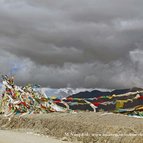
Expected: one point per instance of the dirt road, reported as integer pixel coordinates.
(19, 137)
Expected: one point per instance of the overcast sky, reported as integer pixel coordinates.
(75, 43)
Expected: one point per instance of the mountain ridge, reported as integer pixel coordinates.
(98, 93)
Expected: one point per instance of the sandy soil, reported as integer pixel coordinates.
(85, 127)
(19, 137)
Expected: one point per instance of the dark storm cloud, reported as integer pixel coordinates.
(94, 43)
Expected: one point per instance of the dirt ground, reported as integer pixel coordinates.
(21, 137)
(82, 127)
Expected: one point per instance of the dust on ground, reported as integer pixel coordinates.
(21, 137)
(83, 127)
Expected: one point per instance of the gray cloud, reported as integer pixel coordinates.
(94, 43)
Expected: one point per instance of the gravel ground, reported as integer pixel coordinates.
(83, 127)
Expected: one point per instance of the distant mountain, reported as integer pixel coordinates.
(63, 92)
(97, 93)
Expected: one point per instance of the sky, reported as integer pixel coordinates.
(72, 43)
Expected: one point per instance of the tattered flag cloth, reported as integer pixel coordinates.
(141, 97)
(96, 103)
(17, 100)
